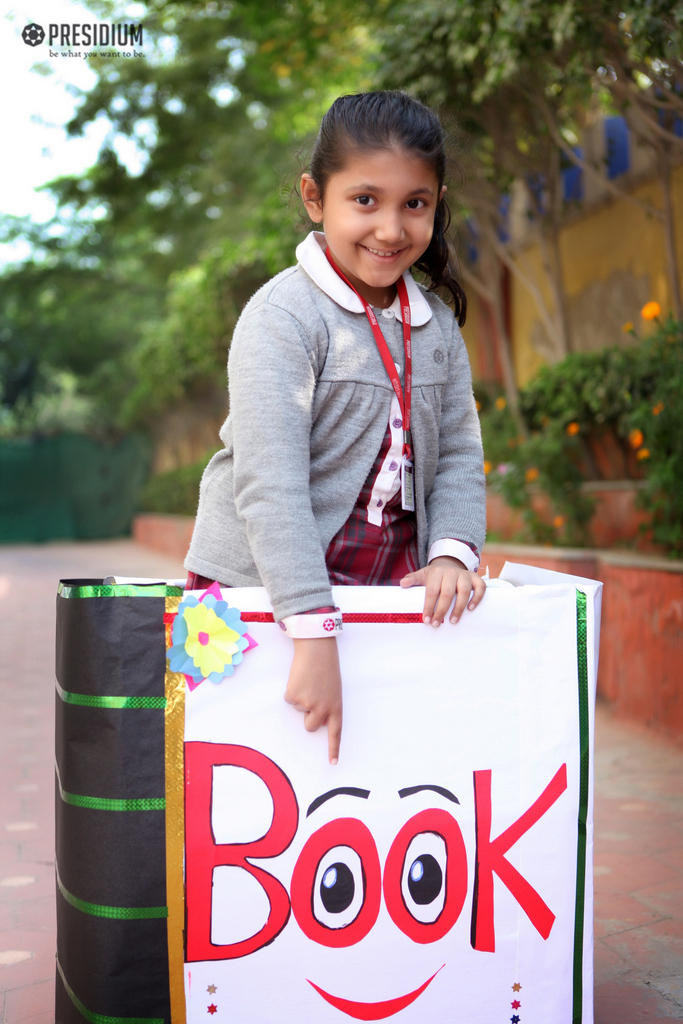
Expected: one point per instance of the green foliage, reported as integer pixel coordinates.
(135, 288)
(57, 407)
(175, 492)
(67, 315)
(217, 113)
(659, 415)
(633, 395)
(185, 354)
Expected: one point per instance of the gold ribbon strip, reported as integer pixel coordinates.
(175, 830)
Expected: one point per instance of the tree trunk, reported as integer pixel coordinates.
(556, 288)
(492, 296)
(664, 168)
(505, 354)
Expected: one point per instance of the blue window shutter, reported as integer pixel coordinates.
(572, 179)
(617, 146)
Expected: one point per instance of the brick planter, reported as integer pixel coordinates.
(168, 534)
(617, 520)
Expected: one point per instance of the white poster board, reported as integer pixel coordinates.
(442, 870)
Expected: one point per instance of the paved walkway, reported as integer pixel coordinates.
(639, 812)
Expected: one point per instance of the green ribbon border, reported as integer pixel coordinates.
(99, 1018)
(105, 803)
(87, 700)
(584, 768)
(111, 913)
(119, 590)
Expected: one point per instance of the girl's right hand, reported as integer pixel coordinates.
(314, 687)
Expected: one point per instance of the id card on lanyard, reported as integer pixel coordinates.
(407, 465)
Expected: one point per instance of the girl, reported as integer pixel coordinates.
(352, 449)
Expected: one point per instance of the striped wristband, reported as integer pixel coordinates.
(310, 627)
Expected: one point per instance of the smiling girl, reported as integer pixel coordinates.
(352, 449)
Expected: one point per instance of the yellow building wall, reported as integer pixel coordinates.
(618, 241)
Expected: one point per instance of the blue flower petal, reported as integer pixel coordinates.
(179, 662)
(180, 631)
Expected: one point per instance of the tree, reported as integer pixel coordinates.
(150, 264)
(484, 65)
(522, 75)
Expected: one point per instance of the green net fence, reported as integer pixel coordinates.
(69, 487)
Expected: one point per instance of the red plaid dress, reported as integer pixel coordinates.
(362, 554)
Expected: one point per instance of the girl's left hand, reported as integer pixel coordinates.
(444, 579)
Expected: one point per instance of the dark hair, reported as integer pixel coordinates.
(384, 120)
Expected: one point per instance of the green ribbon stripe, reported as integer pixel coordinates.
(99, 1018)
(113, 913)
(103, 803)
(120, 590)
(87, 700)
(584, 747)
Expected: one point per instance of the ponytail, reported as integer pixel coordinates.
(435, 262)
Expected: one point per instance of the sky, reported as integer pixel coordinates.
(36, 107)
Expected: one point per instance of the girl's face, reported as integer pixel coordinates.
(378, 217)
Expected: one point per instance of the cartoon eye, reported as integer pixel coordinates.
(336, 885)
(338, 888)
(423, 884)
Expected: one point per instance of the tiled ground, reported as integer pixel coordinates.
(638, 876)
(639, 812)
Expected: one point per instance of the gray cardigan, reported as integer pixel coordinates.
(309, 406)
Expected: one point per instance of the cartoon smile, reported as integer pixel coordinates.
(373, 1011)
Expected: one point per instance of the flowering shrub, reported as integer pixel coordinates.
(634, 394)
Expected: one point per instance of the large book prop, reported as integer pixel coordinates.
(212, 865)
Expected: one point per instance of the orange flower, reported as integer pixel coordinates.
(644, 453)
(478, 405)
(572, 429)
(558, 522)
(635, 438)
(487, 467)
(531, 474)
(627, 327)
(500, 403)
(650, 311)
(656, 409)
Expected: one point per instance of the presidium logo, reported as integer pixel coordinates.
(33, 35)
(105, 34)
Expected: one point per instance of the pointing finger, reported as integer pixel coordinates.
(334, 728)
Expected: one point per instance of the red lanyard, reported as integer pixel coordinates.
(384, 352)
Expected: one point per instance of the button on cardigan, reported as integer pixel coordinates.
(309, 404)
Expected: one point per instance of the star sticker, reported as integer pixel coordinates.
(515, 1004)
(516, 987)
(514, 1019)
(211, 989)
(214, 1009)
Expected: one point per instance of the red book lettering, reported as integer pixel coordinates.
(204, 854)
(491, 858)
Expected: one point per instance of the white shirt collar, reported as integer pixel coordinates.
(311, 255)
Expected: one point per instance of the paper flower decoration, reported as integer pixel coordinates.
(209, 638)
